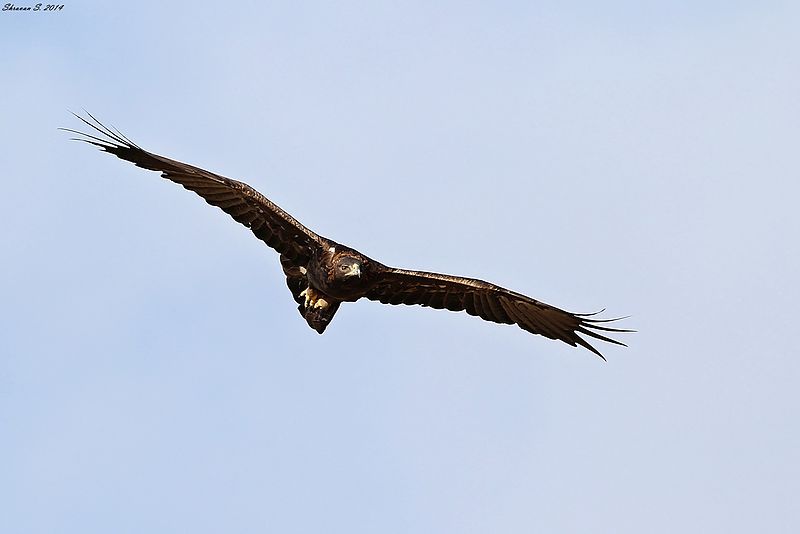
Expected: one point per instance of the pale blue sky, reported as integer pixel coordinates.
(156, 377)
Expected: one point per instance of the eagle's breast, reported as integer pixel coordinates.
(322, 272)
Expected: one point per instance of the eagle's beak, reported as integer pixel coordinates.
(356, 271)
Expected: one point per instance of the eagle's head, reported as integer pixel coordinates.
(347, 268)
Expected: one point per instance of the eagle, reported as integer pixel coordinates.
(322, 274)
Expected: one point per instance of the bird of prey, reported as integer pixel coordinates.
(321, 273)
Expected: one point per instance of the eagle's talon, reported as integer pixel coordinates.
(314, 299)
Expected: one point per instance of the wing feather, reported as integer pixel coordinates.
(489, 302)
(247, 206)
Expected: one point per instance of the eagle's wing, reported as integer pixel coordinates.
(265, 219)
(489, 302)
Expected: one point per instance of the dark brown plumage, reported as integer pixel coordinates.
(321, 274)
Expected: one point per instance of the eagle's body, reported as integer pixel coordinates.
(334, 274)
(321, 274)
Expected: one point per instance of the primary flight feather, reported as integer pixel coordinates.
(321, 273)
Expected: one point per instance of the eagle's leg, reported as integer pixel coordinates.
(314, 299)
(317, 308)
(314, 306)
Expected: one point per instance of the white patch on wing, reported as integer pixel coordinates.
(332, 250)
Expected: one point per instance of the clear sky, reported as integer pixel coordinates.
(639, 156)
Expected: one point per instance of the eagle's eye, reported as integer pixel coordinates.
(344, 268)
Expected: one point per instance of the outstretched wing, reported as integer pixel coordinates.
(489, 302)
(265, 219)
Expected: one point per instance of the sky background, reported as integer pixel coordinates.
(636, 156)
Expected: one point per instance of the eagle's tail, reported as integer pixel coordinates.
(318, 317)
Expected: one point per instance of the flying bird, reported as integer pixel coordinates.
(322, 274)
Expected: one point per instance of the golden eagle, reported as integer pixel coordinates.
(322, 273)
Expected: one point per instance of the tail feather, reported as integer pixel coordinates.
(317, 318)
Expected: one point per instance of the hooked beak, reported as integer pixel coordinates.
(356, 271)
